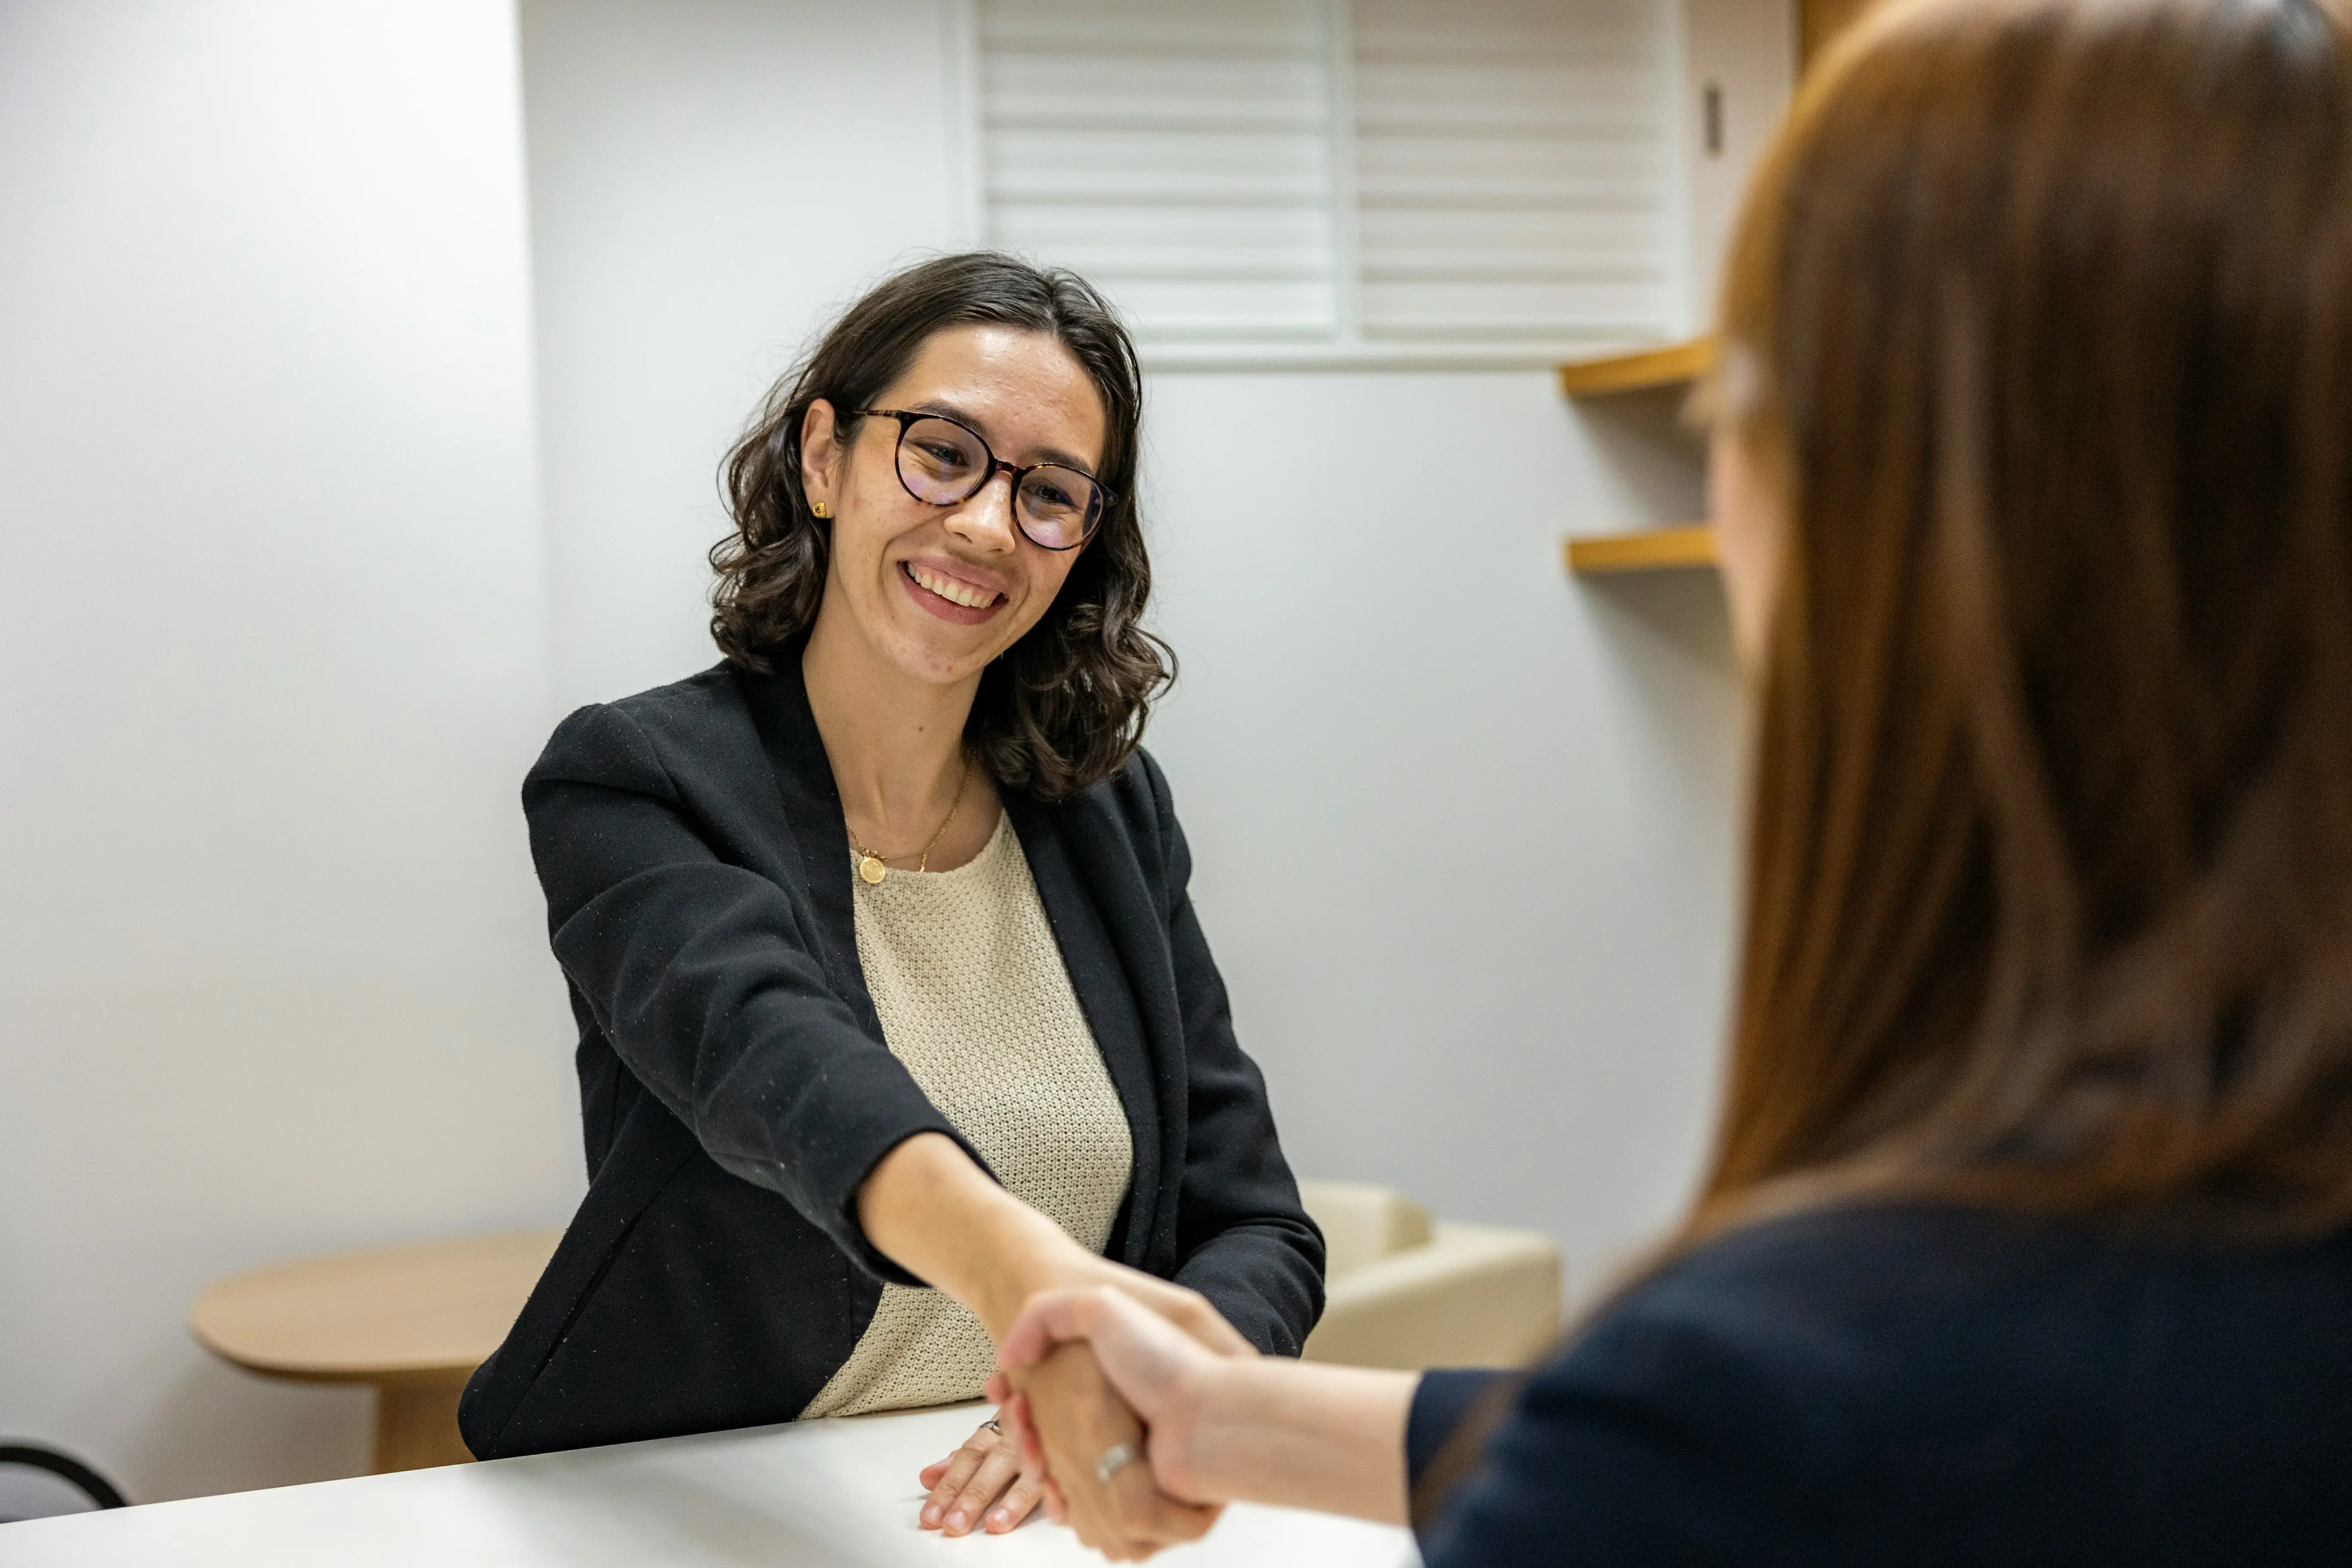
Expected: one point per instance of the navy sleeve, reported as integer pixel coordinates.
(1926, 1385)
(1651, 1441)
(698, 972)
(1440, 1401)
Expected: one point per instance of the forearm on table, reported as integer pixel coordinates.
(1301, 1434)
(931, 1209)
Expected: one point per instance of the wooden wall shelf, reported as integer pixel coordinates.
(1669, 366)
(1653, 549)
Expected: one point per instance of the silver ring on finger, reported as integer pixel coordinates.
(992, 1426)
(1115, 1459)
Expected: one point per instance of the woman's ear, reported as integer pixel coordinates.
(820, 456)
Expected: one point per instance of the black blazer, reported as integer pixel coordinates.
(735, 1088)
(1909, 1386)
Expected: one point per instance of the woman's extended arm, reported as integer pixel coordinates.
(1231, 1430)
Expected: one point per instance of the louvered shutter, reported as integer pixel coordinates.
(1513, 164)
(1405, 172)
(1180, 155)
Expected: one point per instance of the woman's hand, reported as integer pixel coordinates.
(1156, 1369)
(986, 1482)
(1220, 1429)
(1071, 1419)
(1070, 1411)
(1180, 1306)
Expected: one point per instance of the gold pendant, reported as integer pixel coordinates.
(872, 869)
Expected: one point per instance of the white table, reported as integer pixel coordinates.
(820, 1492)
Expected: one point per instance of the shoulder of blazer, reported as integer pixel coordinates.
(1134, 808)
(636, 741)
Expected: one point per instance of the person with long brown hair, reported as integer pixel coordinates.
(2028, 1236)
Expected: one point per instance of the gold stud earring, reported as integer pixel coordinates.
(818, 507)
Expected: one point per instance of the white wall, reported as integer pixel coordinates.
(1747, 51)
(1462, 824)
(708, 178)
(272, 662)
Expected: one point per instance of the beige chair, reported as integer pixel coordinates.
(1406, 1292)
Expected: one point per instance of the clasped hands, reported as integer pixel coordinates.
(930, 1209)
(1066, 1434)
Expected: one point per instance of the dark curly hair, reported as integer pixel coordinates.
(1065, 705)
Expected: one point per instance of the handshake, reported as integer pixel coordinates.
(1099, 1391)
(1128, 1406)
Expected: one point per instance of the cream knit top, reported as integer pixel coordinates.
(974, 999)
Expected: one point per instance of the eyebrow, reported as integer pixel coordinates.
(947, 410)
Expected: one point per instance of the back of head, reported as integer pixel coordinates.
(2039, 327)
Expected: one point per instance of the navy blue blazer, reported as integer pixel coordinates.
(1911, 1386)
(735, 1088)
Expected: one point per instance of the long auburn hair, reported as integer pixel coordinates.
(2038, 323)
(2038, 327)
(1064, 706)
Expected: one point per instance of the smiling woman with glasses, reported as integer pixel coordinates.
(894, 1009)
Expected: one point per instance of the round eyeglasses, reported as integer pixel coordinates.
(944, 463)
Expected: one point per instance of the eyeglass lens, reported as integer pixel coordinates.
(943, 463)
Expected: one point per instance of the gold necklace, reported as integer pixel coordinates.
(869, 864)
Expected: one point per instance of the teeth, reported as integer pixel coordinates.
(955, 593)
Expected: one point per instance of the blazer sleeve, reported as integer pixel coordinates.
(699, 974)
(1243, 1238)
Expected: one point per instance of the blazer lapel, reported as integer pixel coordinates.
(811, 822)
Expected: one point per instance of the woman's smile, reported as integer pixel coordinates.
(952, 593)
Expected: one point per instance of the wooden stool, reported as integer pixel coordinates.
(414, 1321)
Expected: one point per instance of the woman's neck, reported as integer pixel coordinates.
(894, 743)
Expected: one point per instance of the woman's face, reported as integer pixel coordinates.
(940, 591)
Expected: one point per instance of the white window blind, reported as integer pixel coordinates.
(1512, 168)
(1180, 155)
(1424, 174)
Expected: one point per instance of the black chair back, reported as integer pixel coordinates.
(17, 1458)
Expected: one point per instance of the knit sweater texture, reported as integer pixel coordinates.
(973, 998)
